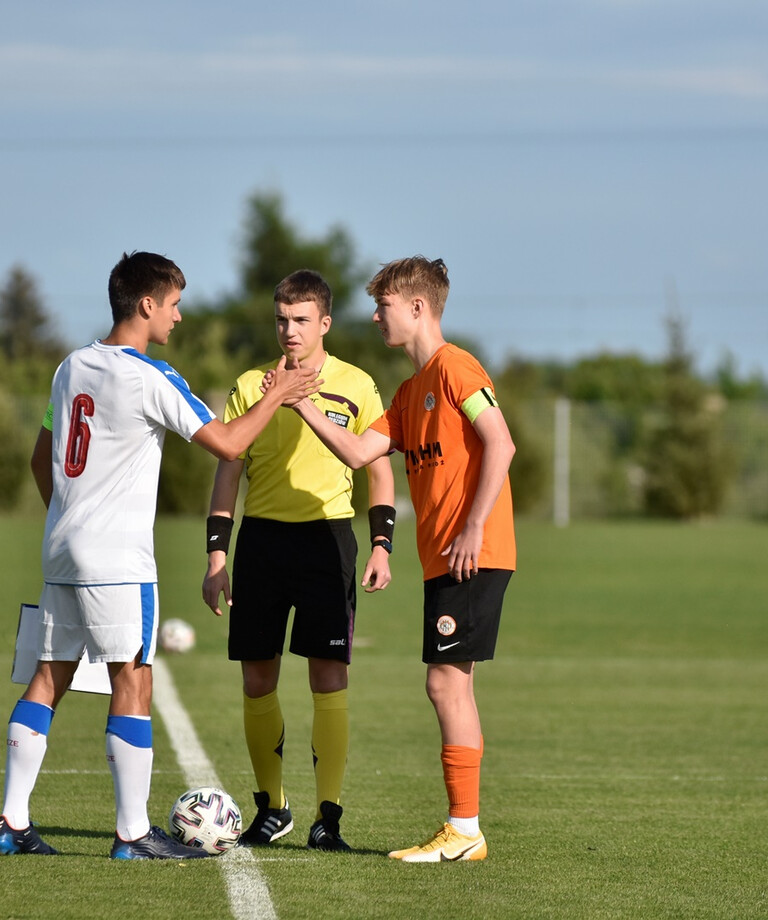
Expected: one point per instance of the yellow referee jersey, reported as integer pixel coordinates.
(292, 476)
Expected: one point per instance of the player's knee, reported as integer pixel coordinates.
(448, 684)
(259, 678)
(437, 688)
(327, 676)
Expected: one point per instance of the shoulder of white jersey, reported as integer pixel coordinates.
(162, 367)
(174, 378)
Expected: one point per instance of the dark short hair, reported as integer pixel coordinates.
(415, 276)
(304, 285)
(141, 274)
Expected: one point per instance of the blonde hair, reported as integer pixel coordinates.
(415, 276)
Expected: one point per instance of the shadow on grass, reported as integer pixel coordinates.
(296, 848)
(44, 829)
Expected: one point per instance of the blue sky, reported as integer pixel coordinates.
(579, 166)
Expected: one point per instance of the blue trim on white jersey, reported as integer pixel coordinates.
(174, 377)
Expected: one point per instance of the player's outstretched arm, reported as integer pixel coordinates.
(42, 465)
(498, 451)
(223, 498)
(355, 450)
(228, 441)
(381, 491)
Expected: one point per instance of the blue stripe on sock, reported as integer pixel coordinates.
(131, 729)
(36, 716)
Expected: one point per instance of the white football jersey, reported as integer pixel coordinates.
(111, 408)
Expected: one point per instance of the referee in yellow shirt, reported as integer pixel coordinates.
(298, 507)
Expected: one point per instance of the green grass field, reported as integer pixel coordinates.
(626, 767)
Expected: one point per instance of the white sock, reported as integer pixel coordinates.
(26, 750)
(470, 827)
(131, 769)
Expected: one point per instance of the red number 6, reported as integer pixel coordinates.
(79, 435)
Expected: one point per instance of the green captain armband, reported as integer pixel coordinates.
(473, 405)
(48, 417)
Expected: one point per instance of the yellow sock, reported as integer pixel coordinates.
(264, 735)
(330, 744)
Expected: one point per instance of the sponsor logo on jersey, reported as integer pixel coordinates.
(424, 457)
(338, 418)
(338, 642)
(429, 402)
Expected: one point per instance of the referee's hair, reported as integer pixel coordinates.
(302, 285)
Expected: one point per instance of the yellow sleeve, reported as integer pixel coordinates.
(371, 406)
(243, 394)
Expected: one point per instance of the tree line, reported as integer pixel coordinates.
(663, 432)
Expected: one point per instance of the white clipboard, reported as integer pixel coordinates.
(90, 677)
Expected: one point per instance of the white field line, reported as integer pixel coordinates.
(249, 897)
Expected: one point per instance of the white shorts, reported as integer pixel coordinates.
(114, 622)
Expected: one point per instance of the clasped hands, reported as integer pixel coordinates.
(291, 381)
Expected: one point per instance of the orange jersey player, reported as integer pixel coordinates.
(446, 421)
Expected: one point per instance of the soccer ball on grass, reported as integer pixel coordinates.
(207, 818)
(176, 635)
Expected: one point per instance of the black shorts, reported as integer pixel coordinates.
(461, 618)
(309, 566)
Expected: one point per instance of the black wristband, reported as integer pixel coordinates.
(218, 530)
(385, 544)
(381, 520)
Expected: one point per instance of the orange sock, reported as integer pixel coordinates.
(461, 771)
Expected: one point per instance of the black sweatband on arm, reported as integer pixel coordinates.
(218, 530)
(381, 520)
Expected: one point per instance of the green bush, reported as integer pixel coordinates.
(14, 455)
(688, 466)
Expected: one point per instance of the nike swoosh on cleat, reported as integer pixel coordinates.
(461, 855)
(444, 648)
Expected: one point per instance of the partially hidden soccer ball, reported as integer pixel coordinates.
(207, 818)
(176, 635)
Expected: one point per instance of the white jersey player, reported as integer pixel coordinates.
(112, 408)
(96, 464)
